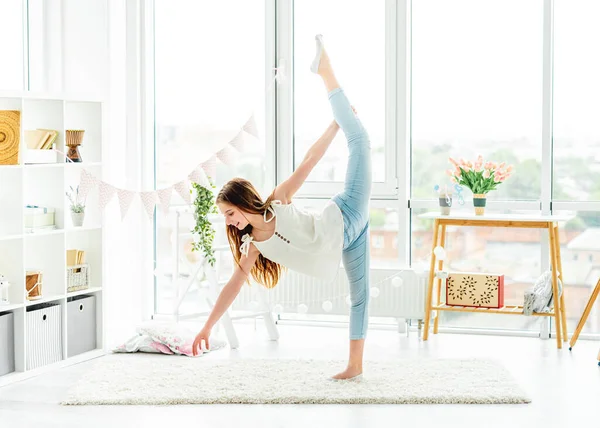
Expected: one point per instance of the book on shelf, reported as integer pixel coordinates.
(40, 139)
(75, 257)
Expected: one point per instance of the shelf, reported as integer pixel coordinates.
(12, 306)
(44, 185)
(45, 300)
(22, 375)
(86, 291)
(10, 237)
(507, 310)
(51, 165)
(44, 233)
(43, 165)
(470, 216)
(53, 96)
(83, 228)
(82, 164)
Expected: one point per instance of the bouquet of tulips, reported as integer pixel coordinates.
(480, 177)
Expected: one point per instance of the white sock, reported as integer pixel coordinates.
(314, 67)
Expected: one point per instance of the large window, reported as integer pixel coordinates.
(477, 89)
(209, 78)
(502, 78)
(354, 33)
(576, 101)
(11, 34)
(576, 151)
(580, 250)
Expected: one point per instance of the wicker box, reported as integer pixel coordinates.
(78, 277)
(479, 290)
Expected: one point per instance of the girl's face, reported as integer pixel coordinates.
(233, 215)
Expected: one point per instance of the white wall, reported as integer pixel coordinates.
(84, 48)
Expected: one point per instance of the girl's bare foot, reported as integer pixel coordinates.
(350, 373)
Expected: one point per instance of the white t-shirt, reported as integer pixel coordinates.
(306, 242)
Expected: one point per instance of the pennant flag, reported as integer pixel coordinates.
(226, 155)
(148, 201)
(106, 192)
(210, 167)
(164, 196)
(184, 191)
(87, 182)
(250, 127)
(125, 200)
(195, 175)
(238, 141)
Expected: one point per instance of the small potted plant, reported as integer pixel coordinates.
(479, 177)
(77, 207)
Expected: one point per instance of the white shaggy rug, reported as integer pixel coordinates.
(182, 380)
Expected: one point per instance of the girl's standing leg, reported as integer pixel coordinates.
(354, 204)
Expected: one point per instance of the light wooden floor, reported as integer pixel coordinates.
(565, 387)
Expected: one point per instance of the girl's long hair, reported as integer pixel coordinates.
(242, 194)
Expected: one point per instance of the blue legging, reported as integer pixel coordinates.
(354, 204)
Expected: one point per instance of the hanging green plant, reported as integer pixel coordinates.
(204, 204)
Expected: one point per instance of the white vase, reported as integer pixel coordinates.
(77, 219)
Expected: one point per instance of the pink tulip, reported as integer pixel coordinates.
(457, 172)
(501, 165)
(509, 169)
(453, 179)
(449, 172)
(486, 173)
(453, 162)
(498, 175)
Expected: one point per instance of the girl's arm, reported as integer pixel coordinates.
(233, 287)
(286, 190)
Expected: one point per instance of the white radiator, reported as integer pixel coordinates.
(406, 300)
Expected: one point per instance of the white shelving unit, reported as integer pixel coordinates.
(45, 185)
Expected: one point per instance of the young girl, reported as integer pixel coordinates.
(267, 236)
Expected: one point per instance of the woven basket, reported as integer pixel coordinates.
(78, 277)
(74, 137)
(10, 136)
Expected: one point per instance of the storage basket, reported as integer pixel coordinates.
(43, 332)
(7, 343)
(78, 277)
(81, 324)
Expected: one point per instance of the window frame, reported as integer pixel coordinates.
(395, 192)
